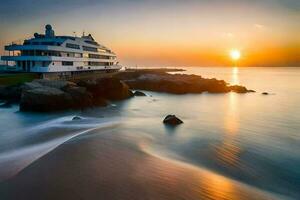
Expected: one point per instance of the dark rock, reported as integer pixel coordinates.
(45, 99)
(139, 93)
(76, 118)
(31, 85)
(46, 96)
(176, 83)
(6, 104)
(58, 84)
(265, 93)
(81, 98)
(239, 89)
(172, 120)
(107, 88)
(11, 93)
(99, 101)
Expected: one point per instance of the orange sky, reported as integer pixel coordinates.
(174, 33)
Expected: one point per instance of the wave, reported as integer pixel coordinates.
(12, 162)
(122, 166)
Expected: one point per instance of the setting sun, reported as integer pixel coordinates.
(235, 54)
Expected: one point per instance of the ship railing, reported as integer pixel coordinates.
(19, 41)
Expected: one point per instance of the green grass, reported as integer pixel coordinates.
(13, 79)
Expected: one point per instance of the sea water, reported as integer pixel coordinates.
(250, 138)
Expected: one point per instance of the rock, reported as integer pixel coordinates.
(239, 89)
(172, 120)
(11, 93)
(45, 99)
(176, 83)
(58, 84)
(265, 93)
(46, 95)
(139, 93)
(76, 118)
(6, 104)
(107, 88)
(81, 98)
(31, 85)
(99, 101)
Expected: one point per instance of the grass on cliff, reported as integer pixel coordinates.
(13, 79)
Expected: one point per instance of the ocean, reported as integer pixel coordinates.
(230, 146)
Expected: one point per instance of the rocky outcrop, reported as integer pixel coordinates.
(52, 95)
(265, 93)
(107, 88)
(177, 83)
(239, 89)
(172, 120)
(46, 95)
(44, 99)
(139, 93)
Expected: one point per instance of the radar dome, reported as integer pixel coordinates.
(48, 27)
(49, 32)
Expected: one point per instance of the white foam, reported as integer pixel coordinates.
(14, 161)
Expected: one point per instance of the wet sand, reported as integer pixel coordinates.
(111, 165)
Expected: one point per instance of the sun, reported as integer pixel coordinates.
(235, 54)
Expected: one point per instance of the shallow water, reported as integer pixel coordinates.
(249, 138)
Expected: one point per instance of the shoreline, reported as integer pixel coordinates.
(111, 166)
(42, 95)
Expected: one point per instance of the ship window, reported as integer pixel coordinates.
(102, 50)
(48, 43)
(85, 48)
(91, 42)
(98, 56)
(67, 63)
(73, 46)
(78, 55)
(97, 63)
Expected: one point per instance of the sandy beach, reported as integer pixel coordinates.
(109, 165)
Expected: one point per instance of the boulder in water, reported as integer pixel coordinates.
(239, 89)
(139, 93)
(172, 120)
(76, 118)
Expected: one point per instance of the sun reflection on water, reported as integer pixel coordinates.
(235, 76)
(228, 151)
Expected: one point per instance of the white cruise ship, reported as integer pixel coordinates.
(61, 55)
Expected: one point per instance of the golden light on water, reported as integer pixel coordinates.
(235, 76)
(235, 54)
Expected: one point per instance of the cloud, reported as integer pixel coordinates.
(259, 26)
